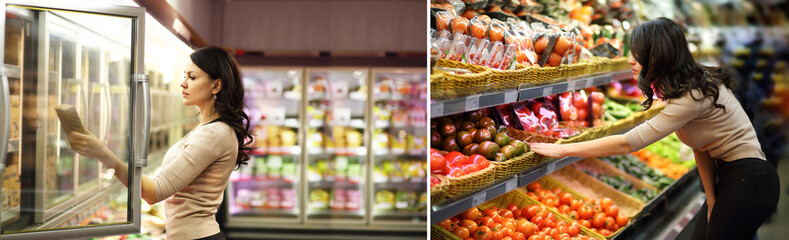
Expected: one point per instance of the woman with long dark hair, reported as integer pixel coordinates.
(196, 169)
(741, 187)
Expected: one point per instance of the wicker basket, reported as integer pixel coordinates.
(620, 126)
(439, 191)
(526, 136)
(516, 165)
(522, 200)
(449, 85)
(545, 75)
(437, 232)
(510, 79)
(575, 69)
(586, 135)
(588, 186)
(618, 64)
(471, 181)
(549, 182)
(599, 166)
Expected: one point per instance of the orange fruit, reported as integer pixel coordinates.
(540, 44)
(554, 60)
(561, 46)
(459, 25)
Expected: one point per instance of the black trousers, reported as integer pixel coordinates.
(747, 192)
(218, 236)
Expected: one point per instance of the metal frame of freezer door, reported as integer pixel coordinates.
(140, 115)
(371, 154)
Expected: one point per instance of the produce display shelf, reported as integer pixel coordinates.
(527, 176)
(12, 71)
(378, 213)
(524, 92)
(488, 192)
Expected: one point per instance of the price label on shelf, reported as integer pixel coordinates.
(478, 199)
(547, 91)
(511, 184)
(588, 83)
(550, 168)
(472, 102)
(436, 109)
(511, 96)
(571, 85)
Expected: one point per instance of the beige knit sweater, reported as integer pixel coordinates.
(726, 135)
(192, 181)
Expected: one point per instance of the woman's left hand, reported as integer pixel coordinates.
(548, 149)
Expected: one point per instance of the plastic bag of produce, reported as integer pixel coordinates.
(454, 6)
(459, 25)
(475, 4)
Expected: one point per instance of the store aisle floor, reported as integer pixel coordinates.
(776, 228)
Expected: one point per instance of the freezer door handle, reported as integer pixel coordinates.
(142, 160)
(6, 127)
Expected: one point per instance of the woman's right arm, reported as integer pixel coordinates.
(89, 145)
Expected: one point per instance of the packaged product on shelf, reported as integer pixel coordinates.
(319, 199)
(340, 168)
(274, 167)
(459, 25)
(257, 200)
(338, 199)
(442, 19)
(404, 200)
(272, 198)
(288, 198)
(354, 199)
(289, 172)
(527, 119)
(354, 171)
(260, 171)
(475, 4)
(453, 6)
(421, 203)
(384, 200)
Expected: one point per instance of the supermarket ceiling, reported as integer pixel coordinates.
(308, 25)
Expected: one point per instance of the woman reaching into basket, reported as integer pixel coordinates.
(741, 187)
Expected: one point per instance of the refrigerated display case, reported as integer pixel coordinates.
(85, 58)
(336, 145)
(268, 187)
(399, 146)
(316, 167)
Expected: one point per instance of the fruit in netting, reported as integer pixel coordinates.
(459, 25)
(554, 60)
(561, 45)
(540, 44)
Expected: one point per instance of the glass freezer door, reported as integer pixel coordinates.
(59, 57)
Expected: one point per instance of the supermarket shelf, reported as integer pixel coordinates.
(524, 92)
(399, 214)
(334, 213)
(13, 71)
(354, 123)
(13, 145)
(273, 213)
(447, 107)
(290, 150)
(261, 183)
(287, 122)
(334, 184)
(406, 185)
(488, 192)
(544, 168)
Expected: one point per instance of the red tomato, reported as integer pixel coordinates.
(514, 209)
(612, 211)
(573, 215)
(565, 198)
(534, 187)
(526, 227)
(437, 164)
(471, 214)
(605, 232)
(461, 232)
(470, 225)
(479, 161)
(574, 204)
(470, 168)
(610, 223)
(518, 236)
(486, 221)
(456, 172)
(621, 220)
(446, 224)
(598, 97)
(597, 111)
(585, 223)
(564, 209)
(582, 114)
(599, 220)
(585, 212)
(505, 213)
(580, 100)
(605, 203)
(455, 158)
(574, 229)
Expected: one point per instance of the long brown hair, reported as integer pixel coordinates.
(219, 64)
(668, 67)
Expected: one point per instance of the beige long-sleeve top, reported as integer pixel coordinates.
(726, 135)
(193, 178)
